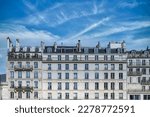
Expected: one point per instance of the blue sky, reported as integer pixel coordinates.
(66, 21)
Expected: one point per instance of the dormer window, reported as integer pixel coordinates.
(28, 49)
(36, 49)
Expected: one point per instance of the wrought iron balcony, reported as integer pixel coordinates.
(137, 65)
(23, 89)
(147, 82)
(134, 73)
(140, 91)
(23, 68)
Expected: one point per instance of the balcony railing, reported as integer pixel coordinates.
(16, 58)
(134, 65)
(138, 91)
(23, 68)
(147, 82)
(23, 89)
(134, 73)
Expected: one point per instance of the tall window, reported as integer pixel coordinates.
(67, 66)
(86, 86)
(28, 83)
(59, 57)
(49, 75)
(112, 86)
(120, 85)
(67, 75)
(75, 57)
(35, 64)
(59, 66)
(105, 66)
(96, 75)
(49, 96)
(35, 74)
(27, 94)
(86, 75)
(11, 64)
(11, 95)
(59, 96)
(96, 86)
(96, 66)
(86, 66)
(96, 57)
(49, 57)
(112, 58)
(12, 84)
(75, 67)
(86, 96)
(105, 86)
(35, 95)
(75, 86)
(105, 75)
(49, 86)
(75, 75)
(11, 74)
(67, 85)
(112, 66)
(112, 95)
(49, 66)
(75, 96)
(66, 95)
(86, 57)
(67, 57)
(120, 66)
(59, 86)
(20, 64)
(120, 75)
(19, 74)
(28, 64)
(19, 94)
(105, 57)
(120, 95)
(35, 84)
(27, 74)
(112, 75)
(143, 62)
(105, 96)
(59, 75)
(96, 95)
(19, 83)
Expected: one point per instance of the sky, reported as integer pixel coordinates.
(66, 21)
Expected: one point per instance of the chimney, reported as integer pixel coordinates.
(55, 46)
(98, 45)
(9, 44)
(42, 46)
(79, 46)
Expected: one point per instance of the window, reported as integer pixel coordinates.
(120, 75)
(112, 66)
(19, 74)
(49, 57)
(27, 74)
(75, 66)
(11, 95)
(86, 66)
(120, 95)
(105, 57)
(130, 62)
(96, 57)
(143, 62)
(86, 86)
(49, 96)
(20, 94)
(59, 57)
(134, 97)
(112, 75)
(75, 96)
(105, 96)
(105, 86)
(66, 95)
(19, 83)
(35, 74)
(49, 86)
(28, 64)
(35, 64)
(146, 97)
(112, 58)
(35, 84)
(12, 84)
(96, 66)
(59, 86)
(28, 83)
(59, 66)
(86, 75)
(49, 66)
(144, 70)
(59, 75)
(120, 66)
(75, 57)
(120, 86)
(59, 96)
(35, 95)
(112, 86)
(86, 57)
(105, 66)
(96, 95)
(11, 74)
(11, 64)
(75, 76)
(20, 64)
(67, 66)
(105, 75)
(96, 75)
(67, 57)
(27, 94)
(86, 96)
(139, 79)
(143, 88)
(67, 85)
(112, 95)
(75, 86)
(96, 86)
(49, 75)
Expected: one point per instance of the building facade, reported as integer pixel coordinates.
(74, 72)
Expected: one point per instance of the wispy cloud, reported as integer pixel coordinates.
(131, 4)
(92, 26)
